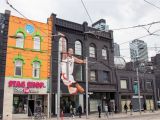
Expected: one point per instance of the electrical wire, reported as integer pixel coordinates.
(152, 4)
(11, 6)
(87, 11)
(141, 37)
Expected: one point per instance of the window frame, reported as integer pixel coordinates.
(92, 76)
(126, 84)
(20, 69)
(104, 56)
(108, 76)
(60, 44)
(35, 68)
(78, 47)
(34, 43)
(92, 48)
(20, 40)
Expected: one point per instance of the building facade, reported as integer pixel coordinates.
(98, 47)
(128, 89)
(156, 66)
(27, 67)
(138, 48)
(4, 21)
(116, 49)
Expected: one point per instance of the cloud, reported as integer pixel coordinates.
(118, 14)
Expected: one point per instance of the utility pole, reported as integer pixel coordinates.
(58, 83)
(139, 91)
(86, 88)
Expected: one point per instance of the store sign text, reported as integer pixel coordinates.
(23, 84)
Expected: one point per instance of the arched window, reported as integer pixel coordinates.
(78, 48)
(62, 44)
(104, 53)
(36, 70)
(20, 40)
(92, 50)
(18, 67)
(37, 43)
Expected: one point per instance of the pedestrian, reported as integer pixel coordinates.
(71, 111)
(144, 107)
(80, 110)
(131, 108)
(99, 110)
(126, 108)
(106, 110)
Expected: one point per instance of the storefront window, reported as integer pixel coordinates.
(19, 104)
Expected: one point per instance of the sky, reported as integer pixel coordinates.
(117, 13)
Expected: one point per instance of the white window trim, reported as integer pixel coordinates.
(92, 51)
(21, 68)
(33, 71)
(123, 84)
(36, 42)
(20, 41)
(78, 48)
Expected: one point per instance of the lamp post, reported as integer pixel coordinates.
(86, 88)
(137, 73)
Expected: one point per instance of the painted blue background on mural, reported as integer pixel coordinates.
(29, 29)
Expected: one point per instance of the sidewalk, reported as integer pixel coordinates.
(94, 116)
(114, 116)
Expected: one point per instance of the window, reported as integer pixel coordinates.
(36, 69)
(104, 53)
(77, 72)
(123, 84)
(92, 51)
(64, 45)
(18, 68)
(105, 76)
(37, 42)
(149, 85)
(92, 76)
(20, 40)
(78, 48)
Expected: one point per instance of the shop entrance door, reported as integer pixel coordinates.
(30, 107)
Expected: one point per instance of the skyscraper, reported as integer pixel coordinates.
(138, 49)
(116, 49)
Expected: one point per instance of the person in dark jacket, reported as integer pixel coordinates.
(131, 107)
(126, 108)
(80, 111)
(99, 110)
(144, 107)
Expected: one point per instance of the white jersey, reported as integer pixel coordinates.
(68, 62)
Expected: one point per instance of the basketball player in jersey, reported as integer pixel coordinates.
(67, 67)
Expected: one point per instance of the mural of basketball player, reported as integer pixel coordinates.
(67, 67)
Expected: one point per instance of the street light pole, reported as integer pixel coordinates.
(139, 99)
(139, 91)
(86, 88)
(58, 83)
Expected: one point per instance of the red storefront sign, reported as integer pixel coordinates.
(23, 84)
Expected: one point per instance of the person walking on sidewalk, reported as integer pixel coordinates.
(80, 111)
(144, 107)
(99, 110)
(131, 108)
(106, 110)
(126, 108)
